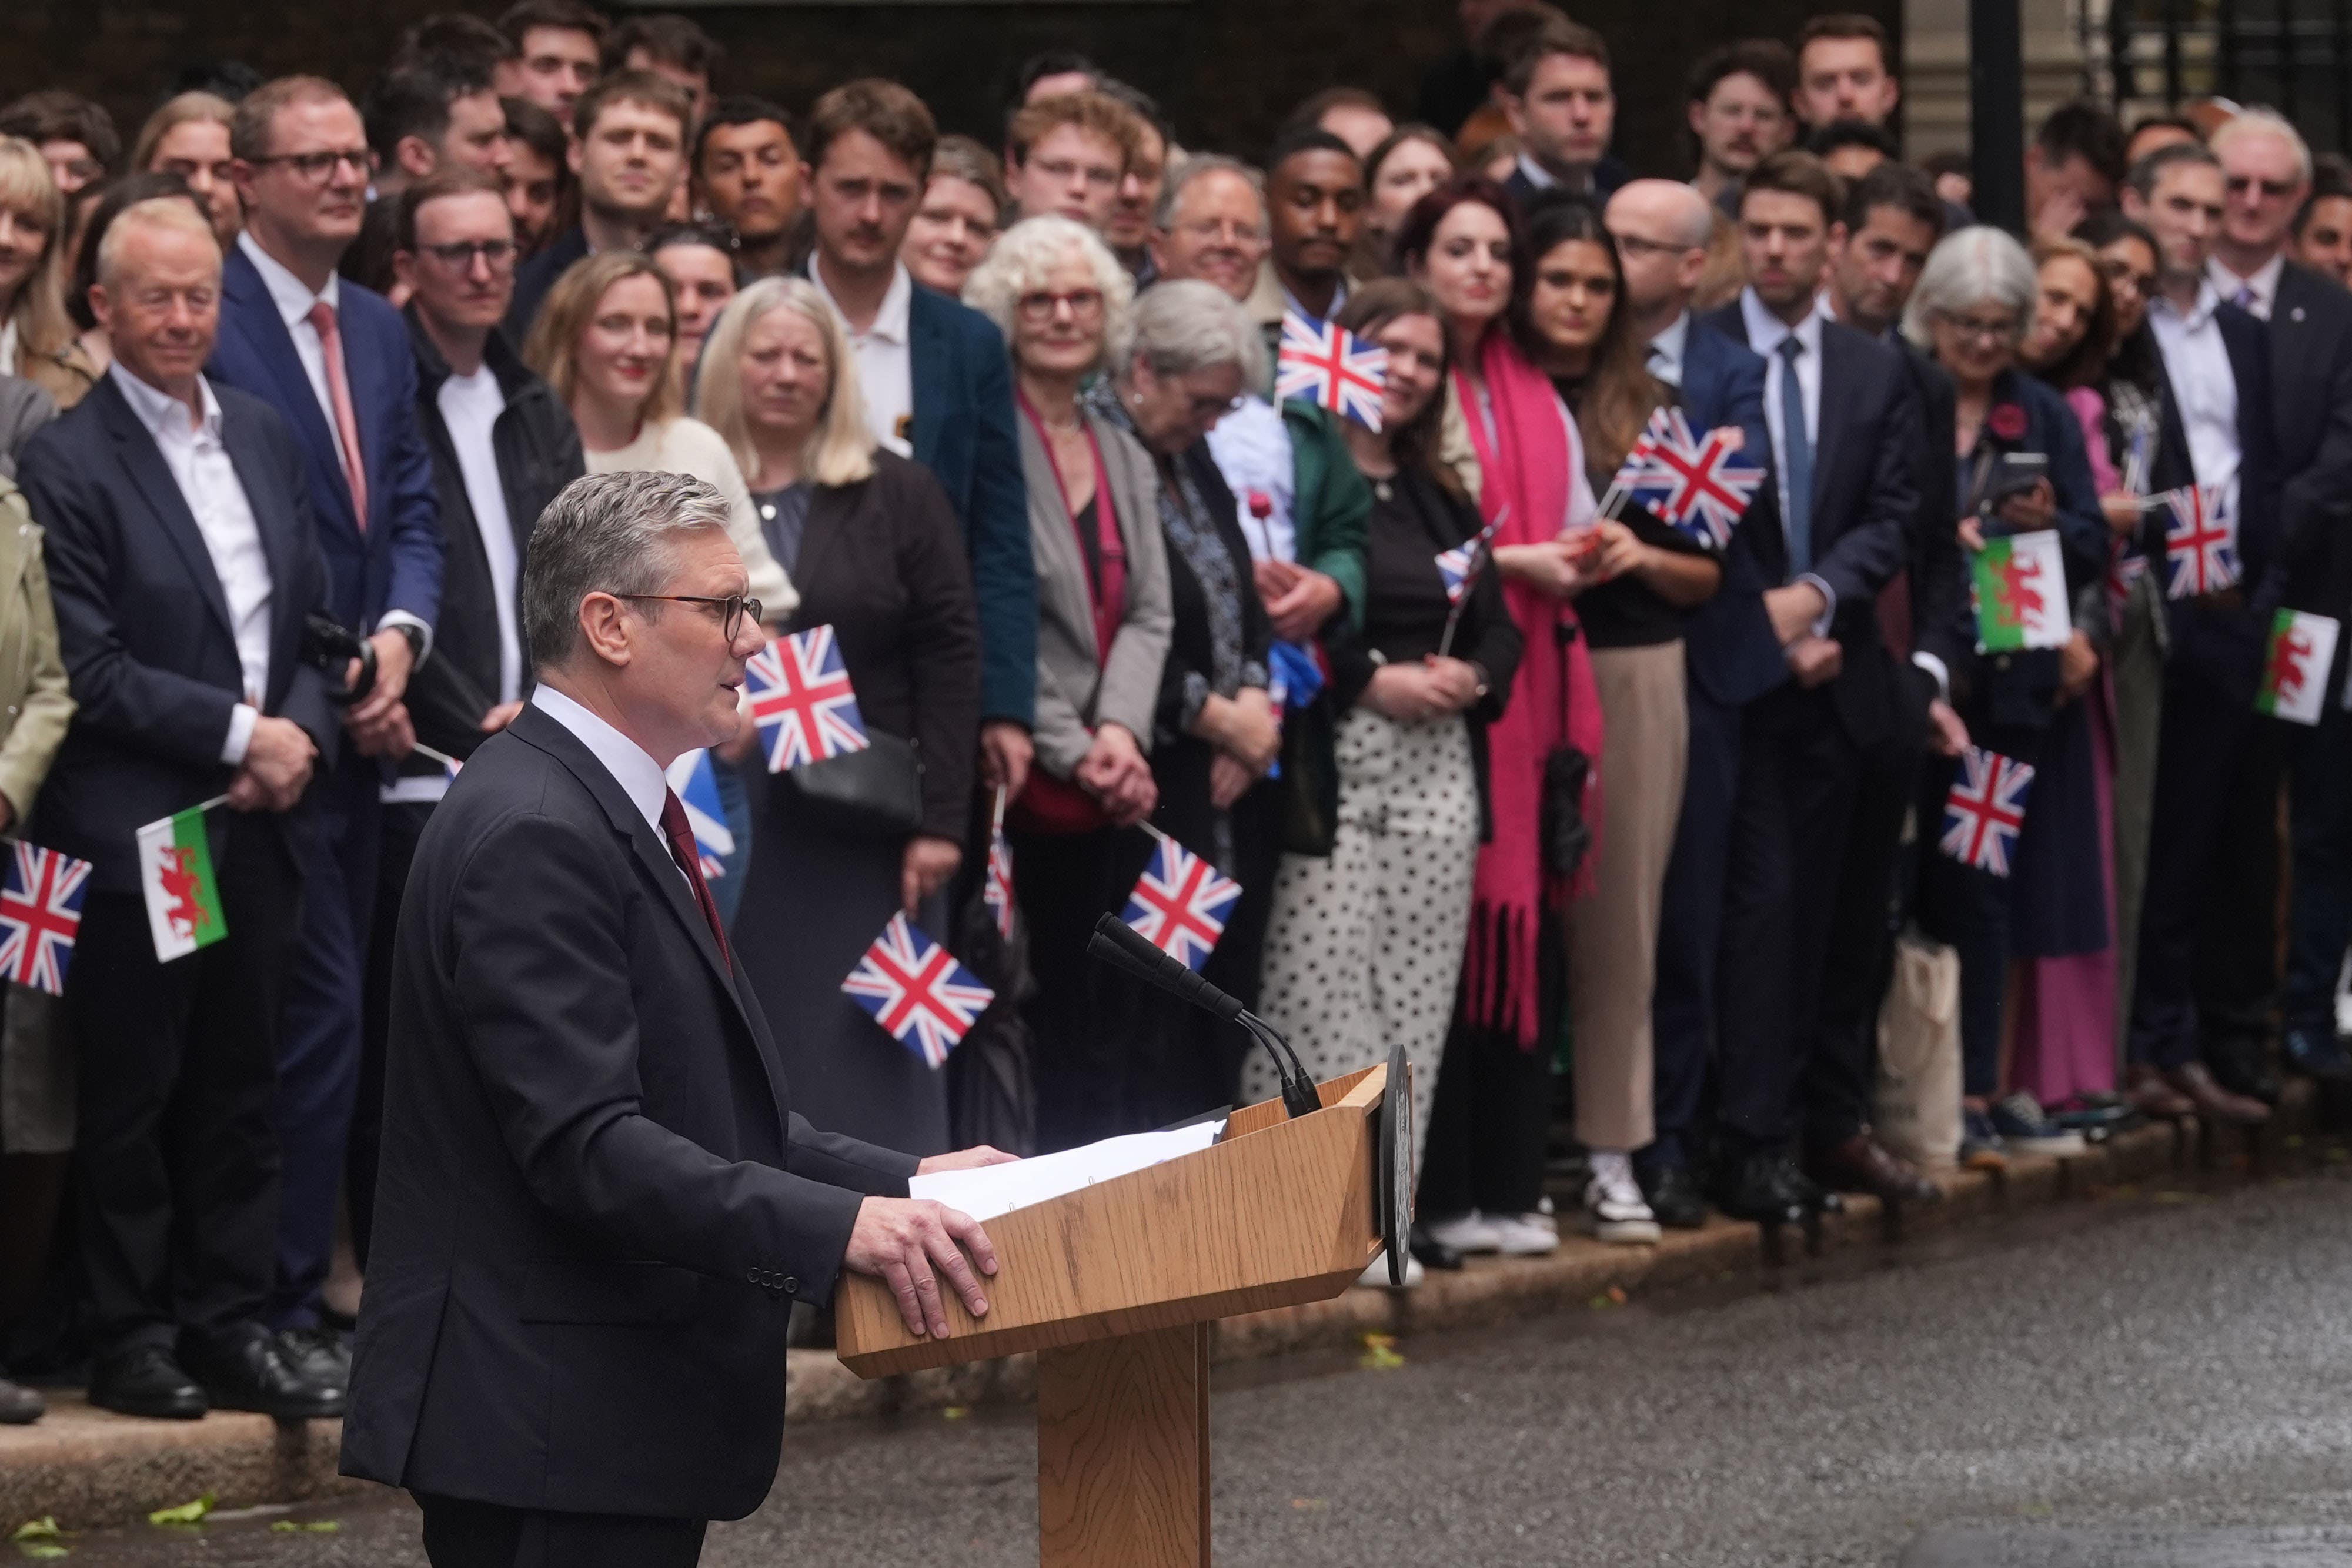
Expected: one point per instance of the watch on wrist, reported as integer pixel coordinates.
(415, 635)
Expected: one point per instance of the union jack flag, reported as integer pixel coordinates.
(2200, 543)
(997, 890)
(1180, 903)
(1985, 810)
(1700, 485)
(1330, 366)
(40, 917)
(2125, 567)
(1458, 567)
(694, 778)
(802, 701)
(917, 991)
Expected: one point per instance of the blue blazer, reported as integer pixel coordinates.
(394, 563)
(963, 432)
(144, 627)
(1734, 658)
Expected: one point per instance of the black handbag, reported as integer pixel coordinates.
(877, 790)
(1566, 834)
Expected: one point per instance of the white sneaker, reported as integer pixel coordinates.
(1613, 1205)
(1376, 1273)
(1525, 1234)
(1467, 1233)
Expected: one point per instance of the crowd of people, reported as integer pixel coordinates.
(1626, 836)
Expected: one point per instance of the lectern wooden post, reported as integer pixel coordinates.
(1115, 1286)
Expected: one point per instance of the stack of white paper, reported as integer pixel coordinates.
(993, 1190)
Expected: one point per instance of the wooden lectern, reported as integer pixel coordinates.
(1115, 1286)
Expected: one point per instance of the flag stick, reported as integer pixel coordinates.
(1147, 826)
(430, 755)
(1482, 554)
(208, 805)
(999, 824)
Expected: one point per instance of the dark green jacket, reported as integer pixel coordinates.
(1330, 504)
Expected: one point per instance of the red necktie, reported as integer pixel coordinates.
(683, 850)
(339, 393)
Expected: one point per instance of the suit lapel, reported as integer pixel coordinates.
(265, 334)
(1831, 424)
(926, 371)
(144, 461)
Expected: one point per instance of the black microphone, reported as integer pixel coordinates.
(1122, 946)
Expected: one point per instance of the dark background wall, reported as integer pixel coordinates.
(1227, 71)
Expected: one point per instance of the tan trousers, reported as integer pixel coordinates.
(1612, 935)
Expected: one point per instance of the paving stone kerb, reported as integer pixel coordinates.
(90, 1468)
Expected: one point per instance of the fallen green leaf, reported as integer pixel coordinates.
(1380, 1351)
(955, 1412)
(190, 1512)
(42, 1529)
(42, 1548)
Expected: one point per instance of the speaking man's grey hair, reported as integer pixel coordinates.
(608, 533)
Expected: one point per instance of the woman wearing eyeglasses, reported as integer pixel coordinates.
(875, 550)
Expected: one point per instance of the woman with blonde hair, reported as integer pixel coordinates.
(188, 136)
(875, 549)
(36, 338)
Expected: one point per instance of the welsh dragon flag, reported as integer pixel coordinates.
(2294, 670)
(2019, 587)
(176, 870)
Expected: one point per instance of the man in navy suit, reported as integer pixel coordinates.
(934, 378)
(184, 560)
(332, 359)
(1844, 432)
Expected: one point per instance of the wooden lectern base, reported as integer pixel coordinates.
(1123, 1451)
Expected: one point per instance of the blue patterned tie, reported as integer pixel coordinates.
(1796, 451)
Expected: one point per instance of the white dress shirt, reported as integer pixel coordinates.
(1667, 348)
(1766, 333)
(200, 465)
(470, 406)
(886, 359)
(2204, 387)
(631, 765)
(2261, 288)
(1251, 449)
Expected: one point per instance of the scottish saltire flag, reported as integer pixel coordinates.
(996, 891)
(2201, 542)
(40, 917)
(2018, 585)
(1699, 485)
(917, 991)
(1332, 367)
(1180, 903)
(2294, 667)
(1985, 810)
(802, 701)
(693, 778)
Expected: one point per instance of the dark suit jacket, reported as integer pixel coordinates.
(395, 563)
(1937, 577)
(2247, 342)
(1728, 640)
(963, 432)
(2311, 380)
(1865, 496)
(534, 278)
(143, 625)
(882, 562)
(1607, 175)
(595, 1206)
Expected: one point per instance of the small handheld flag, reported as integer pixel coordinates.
(1458, 567)
(1180, 902)
(802, 701)
(2295, 668)
(40, 917)
(917, 991)
(2201, 542)
(695, 780)
(1332, 367)
(997, 890)
(1699, 485)
(2019, 583)
(175, 873)
(2124, 571)
(1985, 810)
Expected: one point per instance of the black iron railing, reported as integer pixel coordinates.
(2293, 55)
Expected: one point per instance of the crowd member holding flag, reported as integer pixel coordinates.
(183, 559)
(1633, 590)
(1364, 948)
(2021, 695)
(1063, 303)
(876, 553)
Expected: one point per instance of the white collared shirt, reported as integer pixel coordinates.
(1766, 333)
(1538, 175)
(631, 766)
(2204, 387)
(2262, 287)
(1290, 301)
(1667, 350)
(886, 359)
(470, 406)
(1252, 449)
(200, 465)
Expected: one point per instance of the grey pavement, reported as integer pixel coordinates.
(2149, 1379)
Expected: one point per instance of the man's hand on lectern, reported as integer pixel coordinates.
(907, 1243)
(968, 1159)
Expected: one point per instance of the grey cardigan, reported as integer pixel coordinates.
(1075, 691)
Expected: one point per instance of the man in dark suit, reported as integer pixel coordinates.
(332, 359)
(933, 375)
(1844, 430)
(1555, 90)
(2214, 751)
(183, 559)
(597, 1208)
(2266, 179)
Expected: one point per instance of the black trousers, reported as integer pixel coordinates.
(176, 1155)
(461, 1533)
(404, 824)
(1799, 775)
(1690, 929)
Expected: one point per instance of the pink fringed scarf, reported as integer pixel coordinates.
(1529, 461)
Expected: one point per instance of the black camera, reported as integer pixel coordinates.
(329, 647)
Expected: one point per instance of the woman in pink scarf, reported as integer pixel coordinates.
(1515, 447)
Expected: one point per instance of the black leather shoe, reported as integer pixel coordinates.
(1674, 1198)
(320, 1355)
(1810, 1196)
(250, 1371)
(20, 1406)
(1433, 1253)
(144, 1380)
(2240, 1064)
(2317, 1054)
(1751, 1189)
